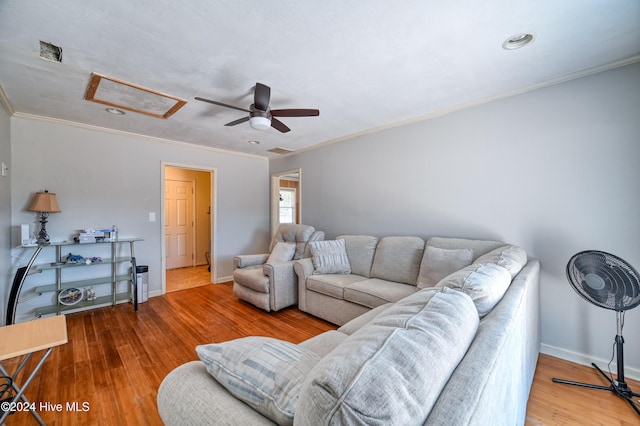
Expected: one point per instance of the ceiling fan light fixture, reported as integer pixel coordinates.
(260, 123)
(517, 41)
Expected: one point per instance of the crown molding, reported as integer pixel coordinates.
(131, 134)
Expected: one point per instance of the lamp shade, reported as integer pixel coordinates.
(44, 202)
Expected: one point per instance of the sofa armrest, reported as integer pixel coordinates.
(189, 395)
(244, 260)
(283, 284)
(303, 268)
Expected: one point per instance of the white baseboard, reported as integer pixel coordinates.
(221, 280)
(578, 358)
(155, 293)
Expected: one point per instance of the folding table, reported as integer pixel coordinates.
(26, 339)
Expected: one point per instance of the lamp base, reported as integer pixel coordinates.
(43, 237)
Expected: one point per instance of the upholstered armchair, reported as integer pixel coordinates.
(268, 280)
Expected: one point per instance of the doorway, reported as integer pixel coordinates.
(286, 196)
(188, 227)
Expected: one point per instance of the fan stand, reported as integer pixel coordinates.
(619, 387)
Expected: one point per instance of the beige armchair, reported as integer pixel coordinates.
(268, 280)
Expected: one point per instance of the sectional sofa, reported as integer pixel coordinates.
(459, 349)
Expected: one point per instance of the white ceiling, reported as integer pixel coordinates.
(365, 65)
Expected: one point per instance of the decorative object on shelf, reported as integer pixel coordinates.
(44, 203)
(70, 296)
(97, 235)
(91, 294)
(75, 258)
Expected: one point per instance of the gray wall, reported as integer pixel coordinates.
(5, 211)
(103, 178)
(554, 170)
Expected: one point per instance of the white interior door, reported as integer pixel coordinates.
(179, 223)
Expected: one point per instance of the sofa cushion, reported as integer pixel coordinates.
(332, 284)
(282, 252)
(265, 373)
(479, 247)
(485, 283)
(398, 259)
(513, 258)
(375, 292)
(329, 257)
(437, 263)
(392, 370)
(324, 343)
(360, 250)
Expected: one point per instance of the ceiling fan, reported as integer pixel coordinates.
(261, 116)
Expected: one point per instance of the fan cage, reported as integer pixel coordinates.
(604, 280)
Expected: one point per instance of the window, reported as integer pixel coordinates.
(287, 205)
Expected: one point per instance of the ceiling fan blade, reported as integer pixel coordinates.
(279, 125)
(221, 104)
(299, 112)
(238, 121)
(262, 96)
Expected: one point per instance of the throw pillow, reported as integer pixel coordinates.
(485, 283)
(330, 257)
(392, 370)
(263, 372)
(282, 252)
(437, 263)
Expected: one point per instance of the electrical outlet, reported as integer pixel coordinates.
(152, 217)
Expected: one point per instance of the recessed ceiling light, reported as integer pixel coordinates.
(254, 142)
(115, 111)
(517, 41)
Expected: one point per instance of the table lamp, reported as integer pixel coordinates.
(44, 203)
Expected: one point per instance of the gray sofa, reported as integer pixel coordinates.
(460, 352)
(384, 270)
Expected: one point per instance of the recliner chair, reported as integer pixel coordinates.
(268, 280)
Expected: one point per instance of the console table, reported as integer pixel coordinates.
(60, 283)
(28, 338)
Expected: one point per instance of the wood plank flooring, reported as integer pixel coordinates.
(116, 359)
(184, 278)
(563, 405)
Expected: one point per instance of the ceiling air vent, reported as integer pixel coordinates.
(280, 150)
(50, 52)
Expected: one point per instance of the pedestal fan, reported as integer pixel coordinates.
(611, 283)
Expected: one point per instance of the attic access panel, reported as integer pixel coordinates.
(131, 97)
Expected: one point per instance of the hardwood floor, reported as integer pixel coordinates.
(116, 359)
(184, 278)
(559, 404)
